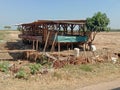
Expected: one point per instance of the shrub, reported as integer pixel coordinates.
(44, 61)
(4, 66)
(34, 68)
(21, 74)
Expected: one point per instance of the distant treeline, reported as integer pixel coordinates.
(115, 30)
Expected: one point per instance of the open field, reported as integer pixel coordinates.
(102, 40)
(108, 40)
(70, 77)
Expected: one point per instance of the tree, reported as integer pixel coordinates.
(97, 23)
(7, 27)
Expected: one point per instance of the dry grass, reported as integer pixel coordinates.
(108, 40)
(67, 78)
(8, 35)
(70, 77)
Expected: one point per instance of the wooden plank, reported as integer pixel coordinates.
(13, 51)
(6, 58)
(50, 56)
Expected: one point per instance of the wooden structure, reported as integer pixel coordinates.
(37, 31)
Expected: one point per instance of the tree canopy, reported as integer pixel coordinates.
(98, 22)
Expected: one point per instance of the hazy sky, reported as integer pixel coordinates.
(21, 11)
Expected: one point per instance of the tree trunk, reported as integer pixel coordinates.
(91, 39)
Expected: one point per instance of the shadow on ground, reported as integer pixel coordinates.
(116, 88)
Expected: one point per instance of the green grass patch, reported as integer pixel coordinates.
(4, 66)
(21, 74)
(79, 68)
(86, 67)
(35, 68)
(90, 70)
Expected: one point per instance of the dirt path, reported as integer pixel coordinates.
(112, 85)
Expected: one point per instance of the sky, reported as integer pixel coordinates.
(14, 12)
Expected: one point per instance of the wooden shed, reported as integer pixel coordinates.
(50, 32)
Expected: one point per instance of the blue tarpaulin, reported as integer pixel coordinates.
(71, 38)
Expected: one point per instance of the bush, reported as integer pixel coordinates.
(4, 66)
(44, 61)
(21, 74)
(35, 68)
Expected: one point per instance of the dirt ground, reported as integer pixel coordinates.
(111, 85)
(103, 40)
(108, 40)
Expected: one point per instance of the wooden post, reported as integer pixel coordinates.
(36, 44)
(72, 29)
(84, 51)
(46, 42)
(54, 42)
(71, 45)
(58, 50)
(33, 44)
(68, 54)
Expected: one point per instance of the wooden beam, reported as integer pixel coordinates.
(13, 51)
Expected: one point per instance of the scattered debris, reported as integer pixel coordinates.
(50, 56)
(114, 59)
(93, 48)
(76, 52)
